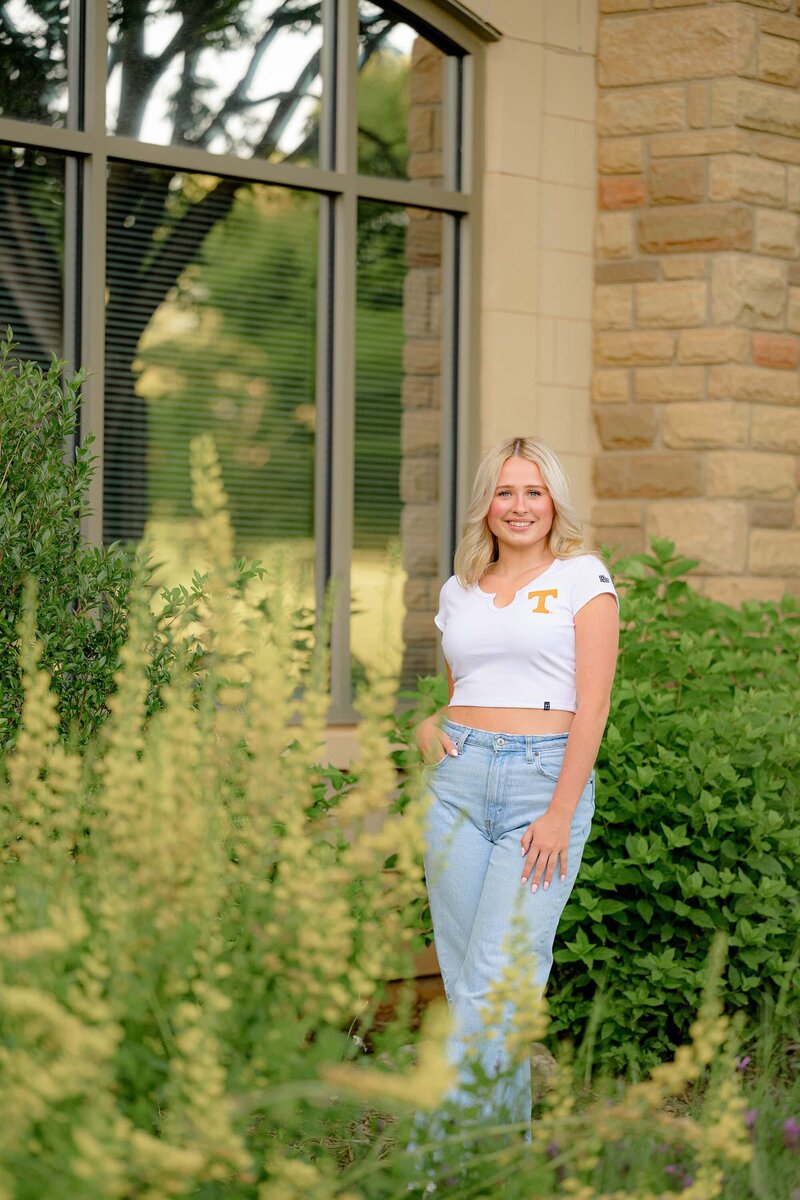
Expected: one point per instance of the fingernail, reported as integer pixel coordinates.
(546, 885)
(522, 849)
(454, 752)
(563, 877)
(534, 887)
(523, 880)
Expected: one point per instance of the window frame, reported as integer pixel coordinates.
(88, 147)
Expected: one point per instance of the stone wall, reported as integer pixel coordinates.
(696, 393)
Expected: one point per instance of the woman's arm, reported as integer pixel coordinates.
(596, 646)
(431, 740)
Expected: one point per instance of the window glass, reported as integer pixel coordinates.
(227, 77)
(211, 315)
(33, 51)
(394, 575)
(32, 250)
(401, 96)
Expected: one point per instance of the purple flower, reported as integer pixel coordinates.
(791, 1134)
(552, 1150)
(750, 1117)
(672, 1168)
(687, 1181)
(741, 1063)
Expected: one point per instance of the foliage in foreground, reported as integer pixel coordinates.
(187, 939)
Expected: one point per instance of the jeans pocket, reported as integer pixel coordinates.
(550, 763)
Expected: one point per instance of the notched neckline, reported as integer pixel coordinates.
(502, 607)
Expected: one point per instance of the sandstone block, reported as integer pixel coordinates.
(696, 227)
(684, 266)
(760, 106)
(743, 177)
(621, 114)
(758, 385)
(620, 191)
(697, 105)
(626, 539)
(793, 310)
(659, 48)
(671, 305)
(613, 306)
(420, 391)
(748, 290)
(420, 552)
(713, 346)
(768, 514)
(713, 531)
(770, 145)
(723, 102)
(630, 473)
(785, 27)
(622, 6)
(750, 473)
(777, 233)
(617, 512)
(626, 426)
(701, 141)
(705, 424)
(422, 432)
(775, 552)
(775, 428)
(735, 589)
(610, 386)
(793, 188)
(614, 235)
(620, 156)
(419, 480)
(776, 350)
(617, 349)
(677, 180)
(669, 384)
(420, 129)
(422, 358)
(779, 61)
(639, 270)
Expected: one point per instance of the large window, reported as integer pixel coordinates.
(253, 219)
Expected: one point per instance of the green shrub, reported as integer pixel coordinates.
(83, 592)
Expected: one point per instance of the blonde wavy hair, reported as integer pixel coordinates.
(478, 545)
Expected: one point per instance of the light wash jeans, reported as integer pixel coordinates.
(482, 802)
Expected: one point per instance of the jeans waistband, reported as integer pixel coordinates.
(503, 742)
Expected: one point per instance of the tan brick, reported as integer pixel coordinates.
(677, 181)
(759, 106)
(775, 552)
(617, 512)
(713, 346)
(759, 385)
(614, 235)
(770, 145)
(741, 474)
(620, 191)
(626, 539)
(422, 358)
(684, 266)
(793, 188)
(776, 350)
(669, 384)
(633, 473)
(620, 156)
(769, 514)
(706, 424)
(420, 129)
(626, 426)
(793, 310)
(785, 27)
(419, 480)
(663, 47)
(623, 6)
(713, 531)
(777, 233)
(775, 428)
(614, 349)
(723, 102)
(420, 391)
(735, 589)
(697, 105)
(421, 432)
(779, 61)
(620, 114)
(613, 306)
(695, 227)
(743, 177)
(671, 305)
(610, 387)
(748, 290)
(793, 274)
(679, 145)
(640, 270)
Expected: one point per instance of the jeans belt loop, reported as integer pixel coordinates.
(528, 748)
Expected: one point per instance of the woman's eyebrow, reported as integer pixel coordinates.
(540, 486)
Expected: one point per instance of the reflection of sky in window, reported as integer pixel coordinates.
(400, 38)
(221, 70)
(22, 17)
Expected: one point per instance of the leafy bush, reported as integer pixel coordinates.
(187, 941)
(83, 592)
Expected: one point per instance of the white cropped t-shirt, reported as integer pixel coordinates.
(523, 655)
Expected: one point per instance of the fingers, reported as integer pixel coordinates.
(542, 863)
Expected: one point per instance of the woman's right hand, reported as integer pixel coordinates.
(432, 742)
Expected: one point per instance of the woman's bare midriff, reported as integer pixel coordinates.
(511, 720)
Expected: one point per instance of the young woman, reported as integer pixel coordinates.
(530, 633)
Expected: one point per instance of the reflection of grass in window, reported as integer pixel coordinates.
(383, 114)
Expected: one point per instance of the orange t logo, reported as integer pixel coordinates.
(541, 607)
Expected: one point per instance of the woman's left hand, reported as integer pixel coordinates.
(544, 841)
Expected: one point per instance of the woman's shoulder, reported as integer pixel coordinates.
(586, 563)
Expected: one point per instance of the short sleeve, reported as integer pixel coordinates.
(592, 578)
(440, 620)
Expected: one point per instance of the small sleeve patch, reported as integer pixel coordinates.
(604, 579)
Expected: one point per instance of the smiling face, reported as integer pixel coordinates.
(521, 512)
